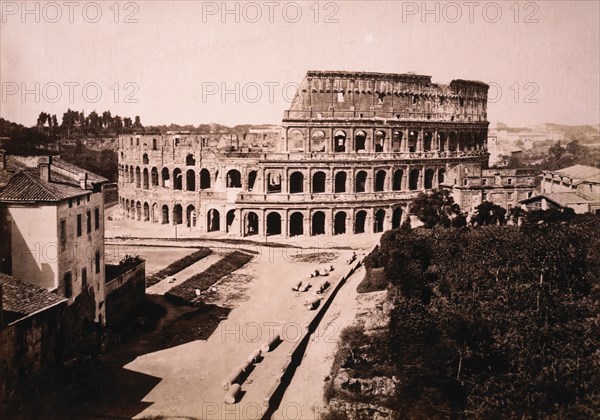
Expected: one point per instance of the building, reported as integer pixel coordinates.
(53, 229)
(576, 187)
(353, 151)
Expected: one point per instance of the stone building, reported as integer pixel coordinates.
(353, 151)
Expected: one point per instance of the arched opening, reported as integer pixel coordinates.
(413, 137)
(145, 159)
(462, 141)
(359, 221)
(340, 141)
(131, 175)
(339, 224)
(397, 218)
(360, 139)
(429, 179)
(380, 180)
(441, 141)
(396, 140)
(427, 138)
(274, 182)
(165, 215)
(413, 180)
(190, 180)
(204, 179)
(295, 141)
(190, 160)
(190, 216)
(317, 141)
(361, 182)
(126, 208)
(318, 182)
(251, 225)
(177, 179)
(138, 181)
(296, 224)
(153, 144)
(340, 182)
(177, 214)
(145, 179)
(154, 177)
(138, 211)
(379, 141)
(379, 220)
(441, 174)
(166, 179)
(273, 224)
(155, 213)
(452, 142)
(213, 220)
(318, 223)
(234, 179)
(146, 212)
(296, 183)
(229, 219)
(251, 180)
(397, 182)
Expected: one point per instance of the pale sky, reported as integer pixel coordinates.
(172, 65)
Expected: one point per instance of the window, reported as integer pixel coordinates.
(509, 196)
(509, 181)
(484, 181)
(97, 262)
(84, 277)
(70, 202)
(63, 234)
(97, 218)
(78, 200)
(79, 225)
(88, 219)
(485, 196)
(68, 284)
(340, 97)
(466, 182)
(89, 197)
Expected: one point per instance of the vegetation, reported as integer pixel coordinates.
(177, 266)
(438, 209)
(127, 263)
(493, 321)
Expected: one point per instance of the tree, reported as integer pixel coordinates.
(556, 151)
(488, 213)
(436, 209)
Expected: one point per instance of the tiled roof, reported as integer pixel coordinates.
(24, 298)
(74, 169)
(578, 172)
(563, 199)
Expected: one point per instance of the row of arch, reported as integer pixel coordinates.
(147, 212)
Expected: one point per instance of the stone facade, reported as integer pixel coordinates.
(354, 150)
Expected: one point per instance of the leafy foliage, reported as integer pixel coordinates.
(437, 209)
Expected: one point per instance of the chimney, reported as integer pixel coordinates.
(45, 166)
(83, 180)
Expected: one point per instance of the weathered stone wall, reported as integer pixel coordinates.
(125, 294)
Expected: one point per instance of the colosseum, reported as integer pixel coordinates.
(352, 151)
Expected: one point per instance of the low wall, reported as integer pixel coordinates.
(125, 294)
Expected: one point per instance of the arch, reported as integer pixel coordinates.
(379, 141)
(213, 220)
(296, 224)
(360, 140)
(295, 141)
(441, 141)
(138, 211)
(138, 180)
(340, 141)
(441, 174)
(339, 224)
(251, 224)
(380, 180)
(427, 140)
(397, 181)
(379, 221)
(429, 179)
(131, 175)
(452, 141)
(413, 181)
(360, 184)
(190, 160)
(127, 208)
(146, 212)
(359, 221)
(413, 137)
(229, 220)
(145, 180)
(234, 179)
(296, 183)
(273, 223)
(190, 180)
(462, 141)
(204, 179)
(251, 180)
(154, 144)
(397, 218)
(165, 215)
(274, 182)
(318, 182)
(177, 179)
(126, 174)
(340, 182)
(154, 177)
(396, 140)
(318, 223)
(145, 159)
(190, 216)
(317, 141)
(154, 214)
(165, 178)
(177, 214)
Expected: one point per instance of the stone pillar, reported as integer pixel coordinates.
(404, 147)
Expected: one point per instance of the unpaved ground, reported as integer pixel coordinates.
(156, 257)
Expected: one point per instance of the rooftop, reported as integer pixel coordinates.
(580, 172)
(563, 199)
